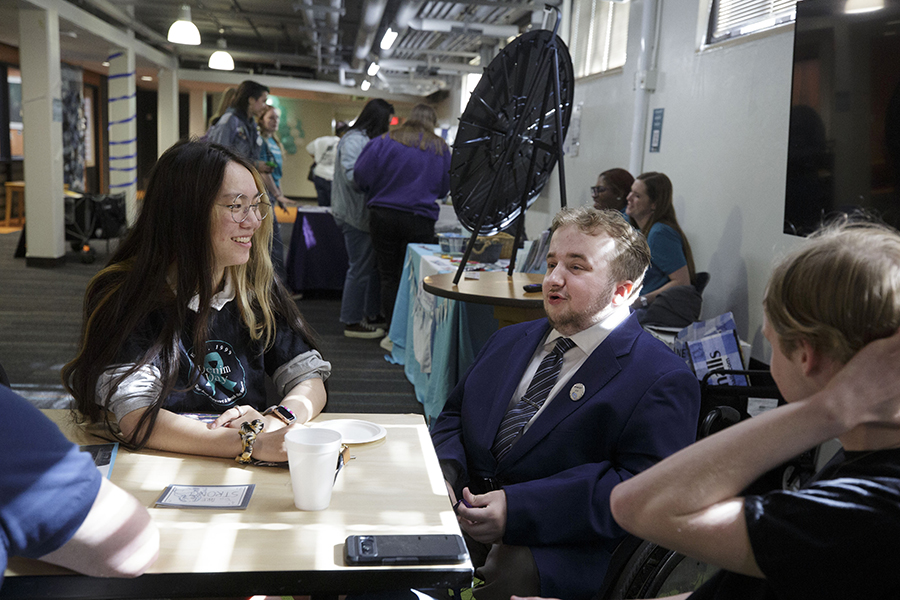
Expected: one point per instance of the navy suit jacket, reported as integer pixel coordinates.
(641, 404)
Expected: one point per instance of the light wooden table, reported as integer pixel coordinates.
(15, 194)
(392, 486)
(512, 304)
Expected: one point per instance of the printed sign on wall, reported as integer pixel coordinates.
(656, 129)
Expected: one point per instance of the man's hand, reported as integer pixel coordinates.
(485, 521)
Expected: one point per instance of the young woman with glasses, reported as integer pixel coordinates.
(188, 318)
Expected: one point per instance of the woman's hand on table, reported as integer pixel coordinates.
(236, 416)
(269, 444)
(269, 447)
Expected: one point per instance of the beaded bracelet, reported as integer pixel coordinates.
(249, 431)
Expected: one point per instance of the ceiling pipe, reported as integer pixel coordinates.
(310, 19)
(372, 12)
(342, 76)
(644, 84)
(406, 12)
(448, 26)
(396, 64)
(333, 20)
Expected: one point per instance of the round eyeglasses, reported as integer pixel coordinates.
(240, 207)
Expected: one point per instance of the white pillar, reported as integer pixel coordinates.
(197, 112)
(167, 110)
(42, 120)
(123, 129)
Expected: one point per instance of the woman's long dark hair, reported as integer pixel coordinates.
(659, 190)
(375, 118)
(247, 90)
(165, 260)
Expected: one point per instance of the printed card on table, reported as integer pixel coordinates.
(234, 497)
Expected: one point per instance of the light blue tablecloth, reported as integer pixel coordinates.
(435, 339)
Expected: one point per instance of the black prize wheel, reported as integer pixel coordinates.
(508, 139)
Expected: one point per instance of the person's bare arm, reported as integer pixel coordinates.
(306, 399)
(116, 539)
(689, 502)
(178, 433)
(274, 191)
(680, 277)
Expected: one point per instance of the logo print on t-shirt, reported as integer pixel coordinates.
(222, 377)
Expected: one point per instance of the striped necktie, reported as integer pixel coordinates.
(519, 415)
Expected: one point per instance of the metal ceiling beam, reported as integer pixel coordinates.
(300, 60)
(114, 12)
(100, 28)
(291, 83)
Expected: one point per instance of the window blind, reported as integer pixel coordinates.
(599, 35)
(733, 18)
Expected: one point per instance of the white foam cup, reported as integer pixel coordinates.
(312, 458)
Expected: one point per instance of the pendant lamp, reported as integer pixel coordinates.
(183, 31)
(220, 59)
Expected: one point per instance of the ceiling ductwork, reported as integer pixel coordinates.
(330, 41)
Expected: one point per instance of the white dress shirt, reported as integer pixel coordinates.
(586, 341)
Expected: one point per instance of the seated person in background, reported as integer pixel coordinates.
(612, 189)
(55, 505)
(837, 536)
(188, 318)
(554, 413)
(651, 210)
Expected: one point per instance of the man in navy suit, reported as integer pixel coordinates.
(534, 498)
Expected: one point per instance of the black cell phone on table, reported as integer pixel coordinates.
(404, 549)
(532, 287)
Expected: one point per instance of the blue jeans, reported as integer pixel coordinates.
(361, 297)
(323, 190)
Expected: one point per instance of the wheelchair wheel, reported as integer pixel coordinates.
(654, 572)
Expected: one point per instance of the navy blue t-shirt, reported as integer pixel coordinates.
(233, 366)
(47, 485)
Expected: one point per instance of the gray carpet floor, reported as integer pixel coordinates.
(40, 320)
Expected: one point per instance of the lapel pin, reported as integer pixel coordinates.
(576, 392)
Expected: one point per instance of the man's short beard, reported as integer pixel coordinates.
(572, 323)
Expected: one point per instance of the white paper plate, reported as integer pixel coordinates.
(354, 431)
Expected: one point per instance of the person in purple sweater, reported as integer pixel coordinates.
(403, 173)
